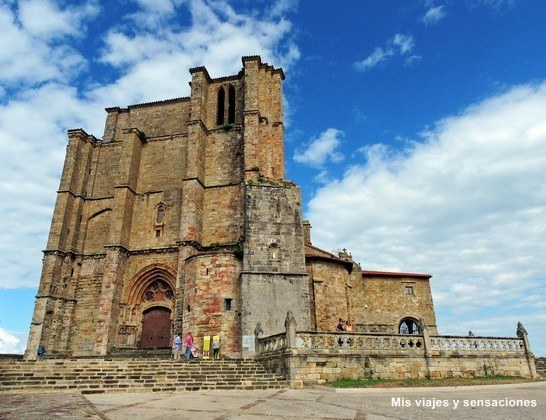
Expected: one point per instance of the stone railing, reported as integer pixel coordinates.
(477, 344)
(396, 342)
(272, 343)
(308, 357)
(355, 341)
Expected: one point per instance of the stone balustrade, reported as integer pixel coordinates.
(477, 344)
(272, 343)
(403, 343)
(392, 342)
(309, 357)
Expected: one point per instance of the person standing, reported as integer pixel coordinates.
(177, 347)
(216, 347)
(189, 345)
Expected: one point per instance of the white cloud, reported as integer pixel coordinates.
(404, 42)
(434, 15)
(151, 60)
(400, 44)
(42, 19)
(466, 204)
(36, 44)
(11, 343)
(378, 55)
(321, 150)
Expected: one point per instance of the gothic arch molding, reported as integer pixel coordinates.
(142, 280)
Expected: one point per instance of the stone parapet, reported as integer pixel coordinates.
(313, 357)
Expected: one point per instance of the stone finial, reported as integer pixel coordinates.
(344, 254)
(470, 334)
(521, 331)
(258, 330)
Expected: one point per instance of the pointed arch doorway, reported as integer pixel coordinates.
(156, 328)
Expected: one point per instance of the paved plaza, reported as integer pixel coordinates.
(514, 401)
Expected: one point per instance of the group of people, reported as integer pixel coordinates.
(344, 326)
(177, 346)
(191, 350)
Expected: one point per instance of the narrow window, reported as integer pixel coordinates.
(160, 215)
(409, 290)
(231, 105)
(158, 233)
(227, 304)
(274, 251)
(220, 110)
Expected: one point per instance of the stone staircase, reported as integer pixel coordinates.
(101, 375)
(540, 364)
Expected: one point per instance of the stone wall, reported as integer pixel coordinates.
(330, 289)
(380, 302)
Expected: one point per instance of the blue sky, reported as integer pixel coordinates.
(416, 129)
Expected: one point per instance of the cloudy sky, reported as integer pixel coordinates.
(417, 130)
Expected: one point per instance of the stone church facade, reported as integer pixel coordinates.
(180, 219)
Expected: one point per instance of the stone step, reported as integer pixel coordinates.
(134, 375)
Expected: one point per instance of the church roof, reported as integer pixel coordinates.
(395, 274)
(313, 252)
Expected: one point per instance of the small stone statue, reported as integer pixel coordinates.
(521, 331)
(289, 319)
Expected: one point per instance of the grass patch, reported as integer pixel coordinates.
(408, 383)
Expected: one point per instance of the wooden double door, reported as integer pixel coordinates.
(156, 328)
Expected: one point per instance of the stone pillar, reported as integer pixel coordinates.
(427, 346)
(307, 232)
(290, 325)
(522, 333)
(54, 304)
(108, 311)
(193, 184)
(257, 333)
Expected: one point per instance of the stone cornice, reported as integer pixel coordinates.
(193, 178)
(118, 247)
(56, 298)
(146, 251)
(60, 253)
(200, 123)
(128, 187)
(275, 273)
(143, 251)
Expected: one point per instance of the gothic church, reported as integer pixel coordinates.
(180, 219)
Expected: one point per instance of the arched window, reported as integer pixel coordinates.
(409, 326)
(231, 104)
(160, 213)
(220, 108)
